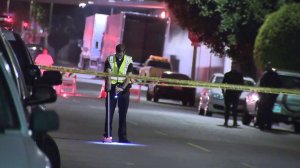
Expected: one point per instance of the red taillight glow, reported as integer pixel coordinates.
(9, 20)
(25, 24)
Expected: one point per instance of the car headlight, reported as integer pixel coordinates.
(218, 96)
(252, 98)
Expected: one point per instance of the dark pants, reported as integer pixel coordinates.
(231, 104)
(265, 110)
(123, 103)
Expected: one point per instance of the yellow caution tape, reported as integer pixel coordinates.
(178, 83)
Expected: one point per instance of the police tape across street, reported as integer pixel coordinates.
(176, 82)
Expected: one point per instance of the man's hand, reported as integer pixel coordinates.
(119, 89)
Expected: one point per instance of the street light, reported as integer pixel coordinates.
(91, 2)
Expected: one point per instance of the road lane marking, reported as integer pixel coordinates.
(133, 123)
(198, 147)
(161, 133)
(247, 165)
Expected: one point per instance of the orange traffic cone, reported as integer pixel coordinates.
(102, 93)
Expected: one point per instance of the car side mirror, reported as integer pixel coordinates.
(42, 121)
(41, 94)
(50, 78)
(34, 73)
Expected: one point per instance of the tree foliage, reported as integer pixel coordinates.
(228, 27)
(38, 12)
(279, 38)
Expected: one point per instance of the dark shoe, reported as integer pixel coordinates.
(261, 127)
(225, 124)
(235, 125)
(124, 140)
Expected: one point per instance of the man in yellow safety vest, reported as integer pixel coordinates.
(118, 89)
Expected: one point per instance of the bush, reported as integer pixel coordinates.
(278, 39)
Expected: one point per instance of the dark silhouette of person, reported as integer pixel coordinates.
(231, 97)
(266, 102)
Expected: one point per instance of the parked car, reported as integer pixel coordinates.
(6, 22)
(35, 50)
(212, 100)
(286, 108)
(31, 86)
(155, 66)
(18, 149)
(184, 94)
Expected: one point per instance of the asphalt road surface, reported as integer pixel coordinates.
(165, 134)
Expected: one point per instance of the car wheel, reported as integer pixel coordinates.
(47, 144)
(246, 119)
(209, 113)
(192, 103)
(148, 96)
(155, 94)
(155, 99)
(201, 112)
(297, 127)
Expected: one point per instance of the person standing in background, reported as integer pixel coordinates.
(231, 97)
(266, 102)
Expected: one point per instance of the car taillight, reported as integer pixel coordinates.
(9, 20)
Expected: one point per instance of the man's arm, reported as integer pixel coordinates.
(108, 80)
(126, 82)
(107, 69)
(224, 81)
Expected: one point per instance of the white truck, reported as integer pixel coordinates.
(95, 26)
(143, 35)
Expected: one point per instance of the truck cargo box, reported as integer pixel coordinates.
(143, 35)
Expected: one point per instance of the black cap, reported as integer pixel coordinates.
(120, 48)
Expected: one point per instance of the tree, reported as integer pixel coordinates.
(228, 27)
(279, 38)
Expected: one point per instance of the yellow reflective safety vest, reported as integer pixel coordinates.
(119, 71)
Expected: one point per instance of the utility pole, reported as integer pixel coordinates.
(195, 39)
(194, 62)
(31, 8)
(51, 14)
(7, 6)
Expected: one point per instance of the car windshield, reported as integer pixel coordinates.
(248, 83)
(159, 64)
(290, 81)
(8, 114)
(219, 79)
(175, 76)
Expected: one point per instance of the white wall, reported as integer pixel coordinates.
(177, 43)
